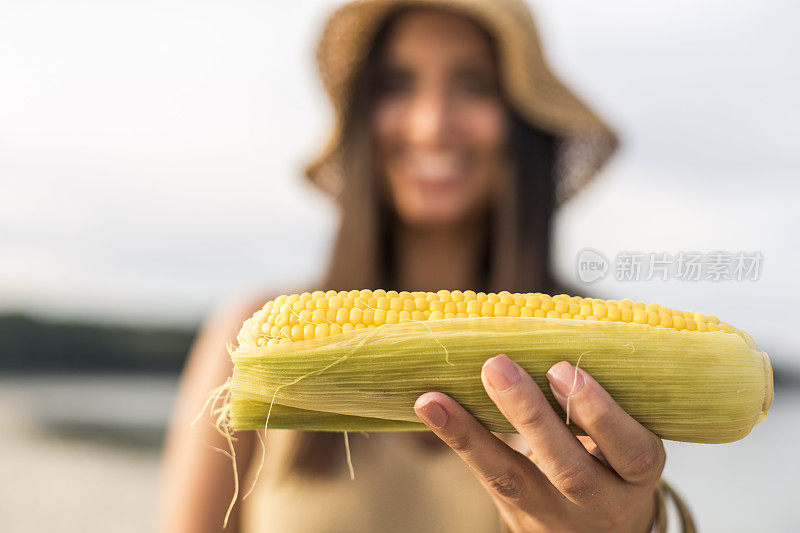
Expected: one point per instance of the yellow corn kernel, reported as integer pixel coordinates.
(533, 302)
(599, 310)
(356, 315)
(297, 332)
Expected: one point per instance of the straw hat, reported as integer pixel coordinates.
(532, 90)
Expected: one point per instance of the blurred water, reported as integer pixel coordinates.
(82, 452)
(749, 485)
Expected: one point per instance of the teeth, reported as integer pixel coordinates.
(439, 167)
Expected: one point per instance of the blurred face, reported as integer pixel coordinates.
(439, 121)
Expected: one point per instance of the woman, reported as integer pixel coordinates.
(453, 146)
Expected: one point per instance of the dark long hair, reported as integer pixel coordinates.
(517, 251)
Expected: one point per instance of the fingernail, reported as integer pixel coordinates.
(501, 372)
(565, 378)
(432, 414)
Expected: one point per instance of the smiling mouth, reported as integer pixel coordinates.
(436, 170)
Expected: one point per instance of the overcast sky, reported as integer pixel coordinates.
(150, 151)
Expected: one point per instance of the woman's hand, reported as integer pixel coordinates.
(572, 486)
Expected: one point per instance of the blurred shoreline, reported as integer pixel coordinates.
(33, 345)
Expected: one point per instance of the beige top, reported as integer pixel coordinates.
(400, 485)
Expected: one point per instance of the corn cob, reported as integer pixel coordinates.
(357, 360)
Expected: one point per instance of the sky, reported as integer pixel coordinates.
(151, 152)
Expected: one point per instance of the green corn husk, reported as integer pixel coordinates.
(709, 387)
